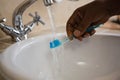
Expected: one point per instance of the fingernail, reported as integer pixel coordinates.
(77, 33)
(87, 35)
(71, 37)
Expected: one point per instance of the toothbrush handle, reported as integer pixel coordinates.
(88, 30)
(92, 28)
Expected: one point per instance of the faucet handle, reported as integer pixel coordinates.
(36, 18)
(2, 20)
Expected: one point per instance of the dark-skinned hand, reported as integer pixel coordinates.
(86, 16)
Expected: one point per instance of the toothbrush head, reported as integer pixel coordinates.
(55, 43)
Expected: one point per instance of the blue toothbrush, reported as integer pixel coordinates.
(56, 43)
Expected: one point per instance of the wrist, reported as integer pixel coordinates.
(112, 6)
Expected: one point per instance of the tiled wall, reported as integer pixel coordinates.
(62, 12)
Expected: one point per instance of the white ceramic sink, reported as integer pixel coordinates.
(95, 58)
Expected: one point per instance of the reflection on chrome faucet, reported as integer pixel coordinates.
(19, 31)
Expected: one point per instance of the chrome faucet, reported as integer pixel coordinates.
(19, 31)
(50, 2)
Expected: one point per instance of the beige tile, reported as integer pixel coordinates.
(2, 78)
(5, 44)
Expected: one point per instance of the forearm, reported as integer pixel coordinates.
(112, 6)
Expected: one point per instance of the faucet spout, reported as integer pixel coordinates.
(17, 15)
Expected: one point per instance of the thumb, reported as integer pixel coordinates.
(81, 29)
(69, 30)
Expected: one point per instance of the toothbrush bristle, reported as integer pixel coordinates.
(55, 43)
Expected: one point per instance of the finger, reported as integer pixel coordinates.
(83, 27)
(80, 38)
(69, 30)
(92, 32)
(86, 35)
(78, 18)
(77, 33)
(73, 23)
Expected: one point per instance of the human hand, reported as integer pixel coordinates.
(84, 17)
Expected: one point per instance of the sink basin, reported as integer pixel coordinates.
(95, 58)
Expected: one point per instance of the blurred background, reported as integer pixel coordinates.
(61, 11)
